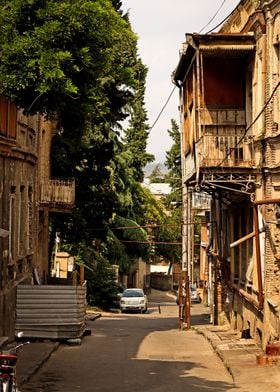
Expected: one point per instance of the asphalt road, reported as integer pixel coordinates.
(139, 353)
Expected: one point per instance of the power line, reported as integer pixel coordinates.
(213, 17)
(219, 24)
(144, 226)
(172, 91)
(252, 123)
(151, 226)
(160, 113)
(151, 242)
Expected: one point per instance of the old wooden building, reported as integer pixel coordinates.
(230, 124)
(27, 196)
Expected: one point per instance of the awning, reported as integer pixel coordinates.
(226, 50)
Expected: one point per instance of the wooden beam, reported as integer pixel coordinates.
(243, 239)
(245, 295)
(266, 201)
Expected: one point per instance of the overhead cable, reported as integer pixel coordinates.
(170, 95)
(213, 17)
(164, 106)
(219, 24)
(252, 123)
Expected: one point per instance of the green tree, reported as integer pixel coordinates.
(173, 163)
(76, 61)
(157, 176)
(170, 231)
(136, 135)
(56, 53)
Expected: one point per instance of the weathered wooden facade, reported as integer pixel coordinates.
(230, 122)
(27, 195)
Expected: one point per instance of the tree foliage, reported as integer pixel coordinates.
(157, 176)
(76, 61)
(170, 231)
(173, 163)
(53, 53)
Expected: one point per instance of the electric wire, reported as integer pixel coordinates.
(149, 242)
(172, 91)
(219, 24)
(252, 123)
(162, 109)
(213, 17)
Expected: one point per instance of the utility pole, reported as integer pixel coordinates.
(184, 285)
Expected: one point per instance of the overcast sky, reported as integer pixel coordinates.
(161, 26)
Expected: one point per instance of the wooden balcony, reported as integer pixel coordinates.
(58, 195)
(223, 141)
(232, 151)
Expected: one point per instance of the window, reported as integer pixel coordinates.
(242, 253)
(12, 221)
(8, 118)
(29, 218)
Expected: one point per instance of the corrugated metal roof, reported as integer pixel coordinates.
(226, 50)
(227, 47)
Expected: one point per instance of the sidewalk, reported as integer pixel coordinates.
(240, 358)
(32, 357)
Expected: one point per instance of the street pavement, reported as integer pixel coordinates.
(239, 356)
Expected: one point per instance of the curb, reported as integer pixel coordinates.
(35, 368)
(215, 341)
(3, 341)
(234, 368)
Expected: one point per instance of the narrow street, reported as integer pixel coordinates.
(134, 352)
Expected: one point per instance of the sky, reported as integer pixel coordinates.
(161, 26)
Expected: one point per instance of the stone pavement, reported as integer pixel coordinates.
(238, 355)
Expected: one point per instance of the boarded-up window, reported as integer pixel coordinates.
(8, 115)
(224, 81)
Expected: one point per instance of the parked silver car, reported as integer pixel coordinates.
(133, 299)
(194, 295)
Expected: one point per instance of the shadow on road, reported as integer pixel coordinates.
(136, 352)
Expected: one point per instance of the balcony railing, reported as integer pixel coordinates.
(57, 193)
(225, 151)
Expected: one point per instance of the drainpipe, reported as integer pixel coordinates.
(258, 255)
(211, 272)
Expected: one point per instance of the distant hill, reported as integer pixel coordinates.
(151, 167)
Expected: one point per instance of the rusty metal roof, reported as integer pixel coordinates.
(226, 50)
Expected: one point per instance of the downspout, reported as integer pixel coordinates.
(211, 265)
(197, 115)
(258, 255)
(203, 95)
